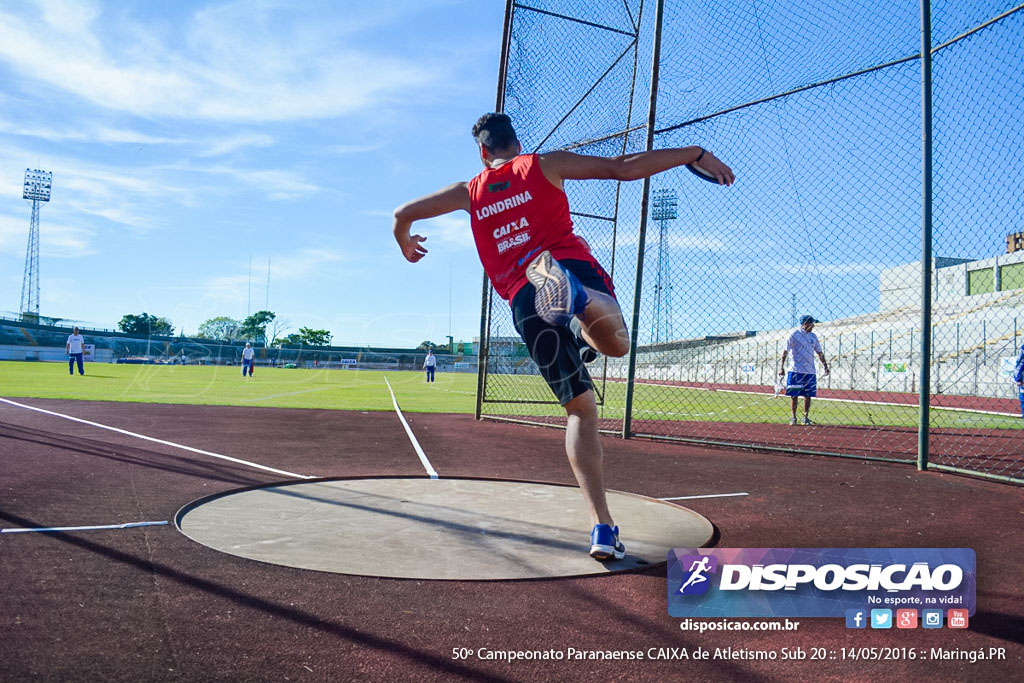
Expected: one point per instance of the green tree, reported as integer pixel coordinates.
(309, 337)
(275, 331)
(254, 328)
(221, 328)
(315, 337)
(146, 324)
(427, 346)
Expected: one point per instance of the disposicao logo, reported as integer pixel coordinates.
(696, 580)
(818, 582)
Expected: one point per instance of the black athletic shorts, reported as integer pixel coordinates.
(554, 347)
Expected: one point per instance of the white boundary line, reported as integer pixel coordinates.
(708, 495)
(160, 441)
(128, 525)
(290, 393)
(412, 437)
(820, 398)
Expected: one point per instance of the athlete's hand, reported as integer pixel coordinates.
(411, 248)
(713, 165)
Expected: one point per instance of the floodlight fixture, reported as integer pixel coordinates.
(37, 191)
(664, 205)
(663, 209)
(37, 185)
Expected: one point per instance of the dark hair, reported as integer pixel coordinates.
(495, 132)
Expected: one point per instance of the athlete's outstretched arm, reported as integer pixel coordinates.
(570, 166)
(451, 198)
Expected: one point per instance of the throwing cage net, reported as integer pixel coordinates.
(840, 211)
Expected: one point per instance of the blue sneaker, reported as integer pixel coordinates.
(559, 295)
(605, 544)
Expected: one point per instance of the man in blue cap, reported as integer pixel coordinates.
(802, 379)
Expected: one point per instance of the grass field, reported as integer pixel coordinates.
(224, 385)
(451, 393)
(659, 402)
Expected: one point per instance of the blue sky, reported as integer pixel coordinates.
(184, 136)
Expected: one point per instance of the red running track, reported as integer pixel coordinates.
(149, 604)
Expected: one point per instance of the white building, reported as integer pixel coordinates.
(951, 278)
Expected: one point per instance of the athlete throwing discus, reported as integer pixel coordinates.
(563, 302)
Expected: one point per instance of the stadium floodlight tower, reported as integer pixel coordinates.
(663, 210)
(37, 190)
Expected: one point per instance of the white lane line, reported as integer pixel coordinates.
(129, 525)
(709, 495)
(160, 441)
(820, 398)
(412, 437)
(290, 393)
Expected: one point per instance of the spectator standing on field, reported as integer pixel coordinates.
(802, 379)
(75, 348)
(1018, 377)
(429, 364)
(248, 359)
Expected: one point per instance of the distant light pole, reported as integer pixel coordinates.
(37, 190)
(663, 210)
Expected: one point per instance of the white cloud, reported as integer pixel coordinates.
(56, 240)
(451, 228)
(88, 133)
(675, 240)
(236, 142)
(276, 184)
(691, 242)
(354, 149)
(124, 194)
(303, 263)
(121, 197)
(237, 62)
(306, 263)
(830, 268)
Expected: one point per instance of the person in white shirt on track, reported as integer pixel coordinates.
(430, 364)
(248, 359)
(75, 348)
(802, 379)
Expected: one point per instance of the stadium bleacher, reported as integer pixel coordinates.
(21, 340)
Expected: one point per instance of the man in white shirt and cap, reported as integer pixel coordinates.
(248, 359)
(430, 364)
(802, 379)
(75, 348)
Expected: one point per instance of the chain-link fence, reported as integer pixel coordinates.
(29, 341)
(819, 109)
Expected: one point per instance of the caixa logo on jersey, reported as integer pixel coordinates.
(817, 582)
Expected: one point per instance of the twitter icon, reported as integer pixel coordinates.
(881, 618)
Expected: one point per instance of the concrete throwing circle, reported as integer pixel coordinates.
(465, 529)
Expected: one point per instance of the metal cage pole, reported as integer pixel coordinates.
(926, 233)
(618, 185)
(483, 352)
(627, 420)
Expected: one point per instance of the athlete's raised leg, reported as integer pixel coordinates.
(602, 325)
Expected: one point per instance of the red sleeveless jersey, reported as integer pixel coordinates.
(516, 213)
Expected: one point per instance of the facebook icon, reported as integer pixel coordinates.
(856, 618)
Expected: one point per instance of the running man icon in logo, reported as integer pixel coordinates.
(697, 566)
